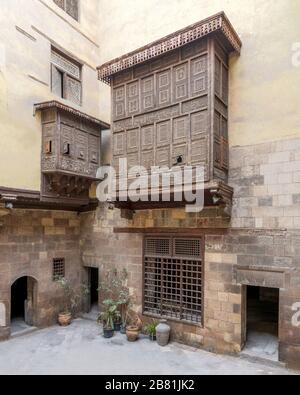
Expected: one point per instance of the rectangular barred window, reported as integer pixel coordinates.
(71, 7)
(58, 269)
(65, 77)
(173, 278)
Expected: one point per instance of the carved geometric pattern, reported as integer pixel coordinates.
(94, 149)
(119, 100)
(225, 84)
(163, 157)
(180, 131)
(164, 88)
(119, 143)
(200, 151)
(147, 159)
(199, 124)
(163, 133)
(181, 76)
(167, 44)
(72, 8)
(132, 140)
(73, 90)
(132, 160)
(199, 75)
(65, 64)
(133, 98)
(81, 144)
(218, 74)
(148, 93)
(147, 137)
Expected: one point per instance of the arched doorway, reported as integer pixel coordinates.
(23, 303)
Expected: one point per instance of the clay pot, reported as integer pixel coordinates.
(163, 333)
(64, 319)
(132, 333)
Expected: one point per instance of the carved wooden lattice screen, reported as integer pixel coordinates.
(173, 278)
(70, 6)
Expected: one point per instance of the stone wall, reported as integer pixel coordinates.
(29, 240)
(266, 181)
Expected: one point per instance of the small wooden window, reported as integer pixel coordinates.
(66, 77)
(173, 278)
(48, 147)
(71, 7)
(58, 269)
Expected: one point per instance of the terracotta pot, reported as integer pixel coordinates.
(132, 333)
(64, 319)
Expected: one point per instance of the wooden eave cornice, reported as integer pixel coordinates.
(218, 23)
(31, 200)
(63, 107)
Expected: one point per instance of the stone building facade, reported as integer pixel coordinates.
(256, 247)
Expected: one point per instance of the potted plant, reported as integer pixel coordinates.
(150, 330)
(114, 287)
(71, 301)
(108, 317)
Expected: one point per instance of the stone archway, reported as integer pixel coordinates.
(24, 300)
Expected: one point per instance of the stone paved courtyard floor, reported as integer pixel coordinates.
(80, 349)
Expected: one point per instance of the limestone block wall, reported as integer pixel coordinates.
(29, 241)
(266, 182)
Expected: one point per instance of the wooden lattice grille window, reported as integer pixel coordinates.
(58, 269)
(173, 278)
(71, 7)
(66, 77)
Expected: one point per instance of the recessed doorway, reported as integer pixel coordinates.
(23, 304)
(262, 322)
(94, 287)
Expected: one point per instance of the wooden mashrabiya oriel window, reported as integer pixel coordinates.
(173, 278)
(170, 100)
(70, 157)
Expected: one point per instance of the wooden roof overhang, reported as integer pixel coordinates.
(63, 107)
(217, 24)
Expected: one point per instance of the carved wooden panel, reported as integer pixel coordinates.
(180, 130)
(73, 90)
(133, 137)
(148, 93)
(199, 124)
(163, 157)
(119, 102)
(180, 75)
(199, 76)
(70, 6)
(49, 141)
(147, 133)
(147, 159)
(119, 143)
(163, 133)
(164, 88)
(133, 101)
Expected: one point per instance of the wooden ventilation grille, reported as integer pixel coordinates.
(58, 269)
(158, 246)
(173, 283)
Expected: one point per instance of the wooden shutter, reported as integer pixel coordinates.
(56, 81)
